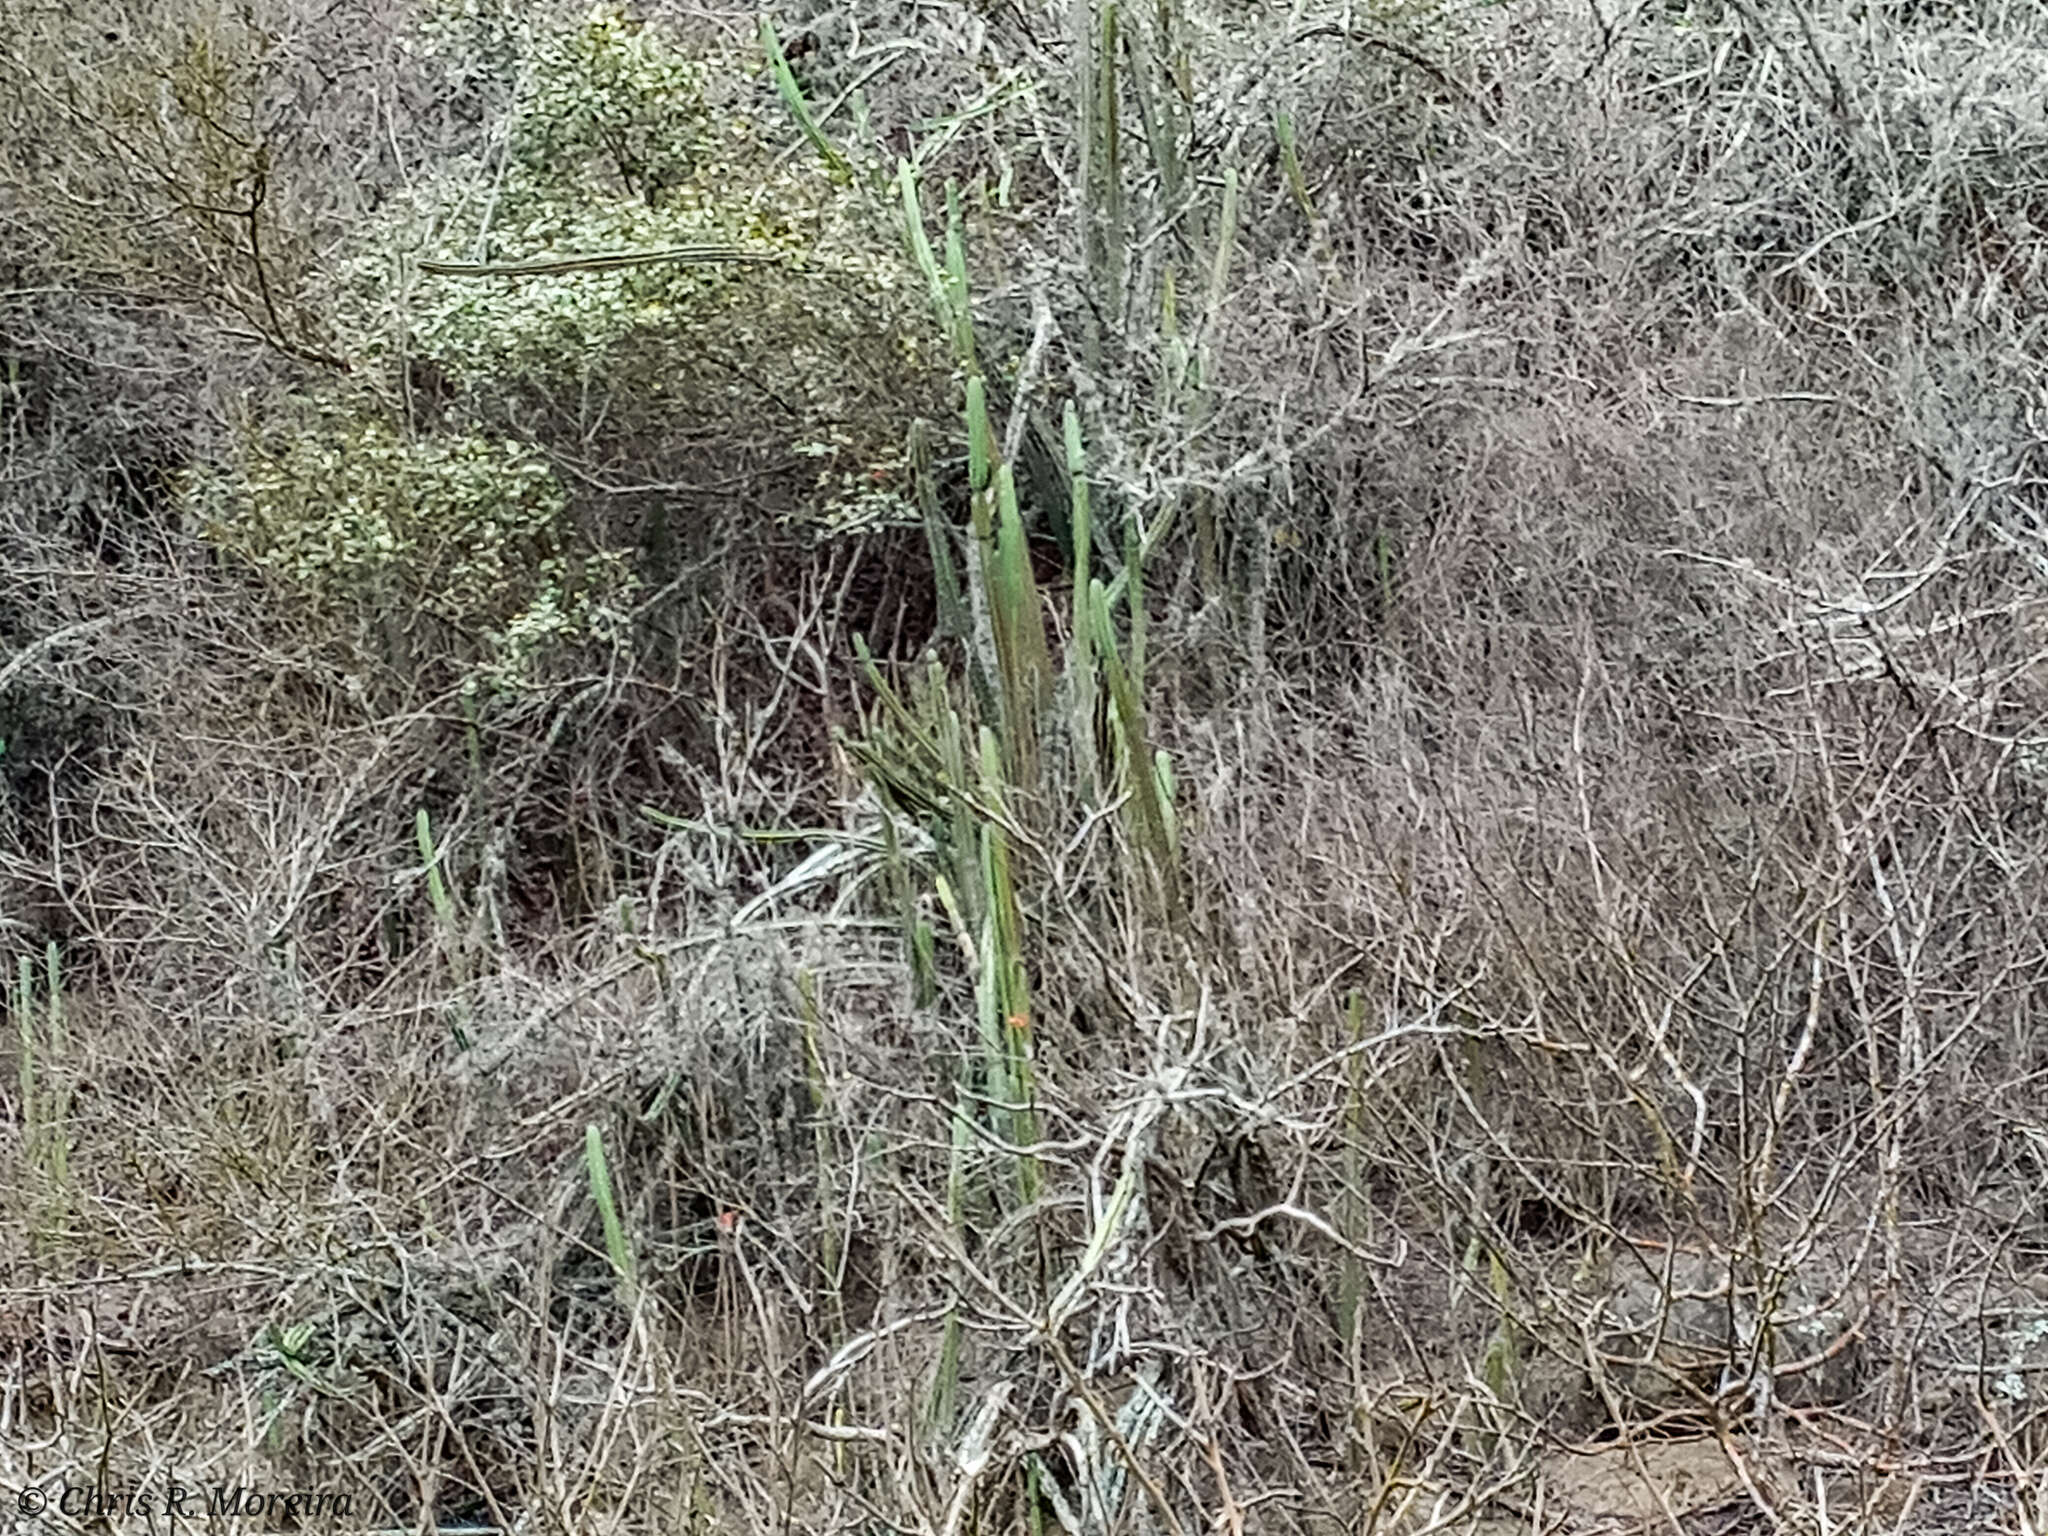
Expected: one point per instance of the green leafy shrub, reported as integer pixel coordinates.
(615, 96)
(626, 140)
(452, 546)
(457, 541)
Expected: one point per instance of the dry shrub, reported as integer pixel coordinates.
(1598, 653)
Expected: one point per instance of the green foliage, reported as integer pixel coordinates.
(448, 935)
(625, 140)
(612, 98)
(473, 42)
(454, 541)
(992, 785)
(45, 1104)
(369, 529)
(430, 862)
(457, 542)
(616, 1248)
(793, 98)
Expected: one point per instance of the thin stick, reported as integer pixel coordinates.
(602, 261)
